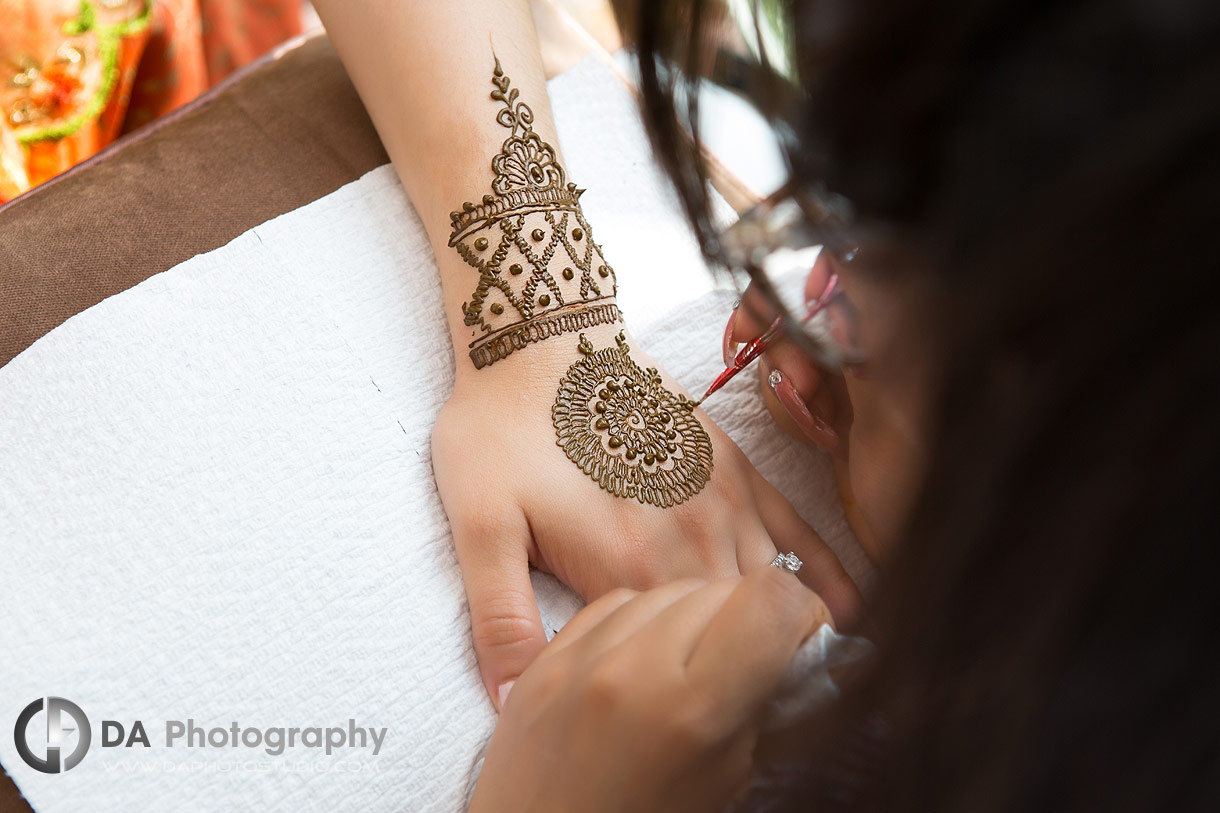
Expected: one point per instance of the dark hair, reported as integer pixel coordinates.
(1051, 623)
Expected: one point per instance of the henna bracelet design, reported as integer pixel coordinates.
(540, 273)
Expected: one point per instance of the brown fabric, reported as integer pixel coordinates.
(283, 133)
(11, 800)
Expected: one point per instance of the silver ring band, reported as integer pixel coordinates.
(788, 561)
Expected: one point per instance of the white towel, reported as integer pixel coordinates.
(217, 503)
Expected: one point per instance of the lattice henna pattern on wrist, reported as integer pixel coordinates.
(540, 273)
(624, 429)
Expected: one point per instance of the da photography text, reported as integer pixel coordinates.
(53, 735)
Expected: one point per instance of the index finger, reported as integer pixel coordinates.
(754, 314)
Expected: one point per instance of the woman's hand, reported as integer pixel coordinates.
(515, 499)
(810, 403)
(460, 103)
(648, 701)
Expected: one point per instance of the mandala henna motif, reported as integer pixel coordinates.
(539, 272)
(624, 429)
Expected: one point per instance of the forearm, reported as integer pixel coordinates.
(517, 263)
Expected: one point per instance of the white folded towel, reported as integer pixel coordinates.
(217, 503)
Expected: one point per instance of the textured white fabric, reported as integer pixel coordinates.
(217, 503)
(808, 684)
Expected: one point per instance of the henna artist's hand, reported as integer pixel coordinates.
(514, 498)
(648, 701)
(864, 421)
(810, 403)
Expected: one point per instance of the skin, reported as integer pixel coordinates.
(579, 734)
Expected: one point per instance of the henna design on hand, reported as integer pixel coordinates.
(540, 273)
(624, 429)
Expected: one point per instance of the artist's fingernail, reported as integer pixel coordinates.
(814, 427)
(502, 692)
(730, 346)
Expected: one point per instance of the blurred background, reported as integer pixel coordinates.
(77, 75)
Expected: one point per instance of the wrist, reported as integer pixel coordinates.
(539, 363)
(503, 331)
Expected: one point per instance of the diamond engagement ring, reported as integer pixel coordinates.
(788, 561)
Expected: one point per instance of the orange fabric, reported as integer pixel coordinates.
(186, 47)
(171, 69)
(46, 159)
(131, 50)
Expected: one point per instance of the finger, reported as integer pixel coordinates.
(631, 616)
(791, 413)
(588, 618)
(755, 548)
(819, 277)
(492, 548)
(675, 631)
(768, 615)
(822, 571)
(804, 375)
(754, 315)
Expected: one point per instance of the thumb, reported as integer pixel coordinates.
(492, 549)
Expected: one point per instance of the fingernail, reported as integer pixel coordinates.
(730, 346)
(814, 427)
(502, 692)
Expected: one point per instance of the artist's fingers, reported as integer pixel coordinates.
(588, 618)
(676, 629)
(492, 547)
(767, 615)
(800, 370)
(822, 571)
(630, 616)
(753, 315)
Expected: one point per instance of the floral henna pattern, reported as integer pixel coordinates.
(540, 274)
(525, 163)
(624, 429)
